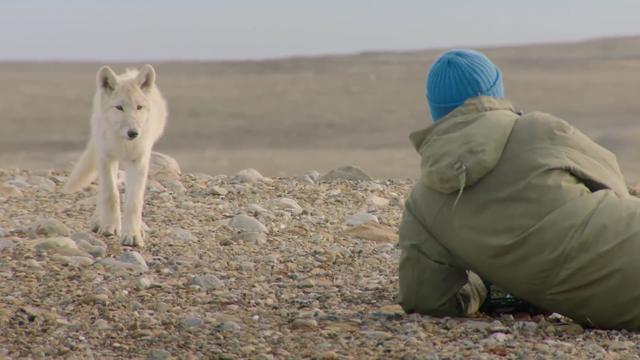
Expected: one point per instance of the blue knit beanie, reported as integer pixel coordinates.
(458, 75)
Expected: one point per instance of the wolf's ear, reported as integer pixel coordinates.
(146, 77)
(106, 79)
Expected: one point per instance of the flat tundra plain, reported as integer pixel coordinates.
(287, 116)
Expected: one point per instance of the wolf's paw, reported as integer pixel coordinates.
(105, 230)
(133, 238)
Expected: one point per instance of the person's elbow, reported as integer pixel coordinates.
(416, 298)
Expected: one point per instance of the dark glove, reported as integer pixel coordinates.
(499, 301)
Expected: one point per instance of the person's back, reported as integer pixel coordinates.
(525, 202)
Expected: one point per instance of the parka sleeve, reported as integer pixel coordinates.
(430, 282)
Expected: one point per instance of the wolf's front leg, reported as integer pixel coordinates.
(132, 231)
(107, 217)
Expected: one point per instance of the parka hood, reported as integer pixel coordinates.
(464, 146)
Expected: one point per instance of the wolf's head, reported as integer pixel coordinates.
(124, 99)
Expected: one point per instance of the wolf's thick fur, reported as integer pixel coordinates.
(129, 115)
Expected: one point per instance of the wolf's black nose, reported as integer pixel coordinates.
(132, 134)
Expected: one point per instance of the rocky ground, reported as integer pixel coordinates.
(239, 267)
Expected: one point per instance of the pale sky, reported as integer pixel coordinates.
(130, 30)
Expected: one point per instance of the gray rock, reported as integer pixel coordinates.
(305, 179)
(101, 324)
(228, 326)
(476, 325)
(43, 172)
(174, 185)
(158, 354)
(101, 299)
(33, 264)
(75, 261)
(95, 251)
(374, 186)
(18, 183)
(208, 282)
(332, 355)
(182, 261)
(191, 323)
(250, 238)
(59, 180)
(134, 258)
(310, 177)
(154, 186)
(54, 243)
(42, 183)
(247, 224)
(375, 202)
(70, 251)
(497, 326)
(202, 177)
(163, 166)
(181, 235)
(263, 356)
(286, 204)
(360, 218)
(48, 228)
(256, 209)
(143, 283)
(117, 265)
(570, 329)
(313, 174)
(304, 324)
(268, 259)
(388, 312)
(527, 327)
(8, 190)
(542, 348)
(222, 222)
(246, 266)
(379, 335)
(499, 337)
(216, 190)
(185, 204)
(346, 173)
(89, 238)
(306, 283)
(165, 198)
(617, 345)
(249, 176)
(595, 349)
(7, 244)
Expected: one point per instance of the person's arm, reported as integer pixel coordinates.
(430, 282)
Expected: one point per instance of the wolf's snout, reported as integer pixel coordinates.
(132, 134)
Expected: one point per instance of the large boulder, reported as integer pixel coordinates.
(163, 166)
(346, 173)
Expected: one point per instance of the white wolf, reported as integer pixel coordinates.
(129, 115)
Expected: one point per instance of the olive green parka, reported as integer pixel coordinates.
(524, 201)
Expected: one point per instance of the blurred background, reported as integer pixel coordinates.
(287, 86)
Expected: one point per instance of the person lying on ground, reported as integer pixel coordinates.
(524, 201)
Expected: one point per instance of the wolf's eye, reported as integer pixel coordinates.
(119, 107)
(139, 107)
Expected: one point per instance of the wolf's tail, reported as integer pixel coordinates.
(84, 172)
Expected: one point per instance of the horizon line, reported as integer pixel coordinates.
(319, 54)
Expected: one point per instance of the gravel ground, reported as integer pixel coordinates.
(239, 267)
